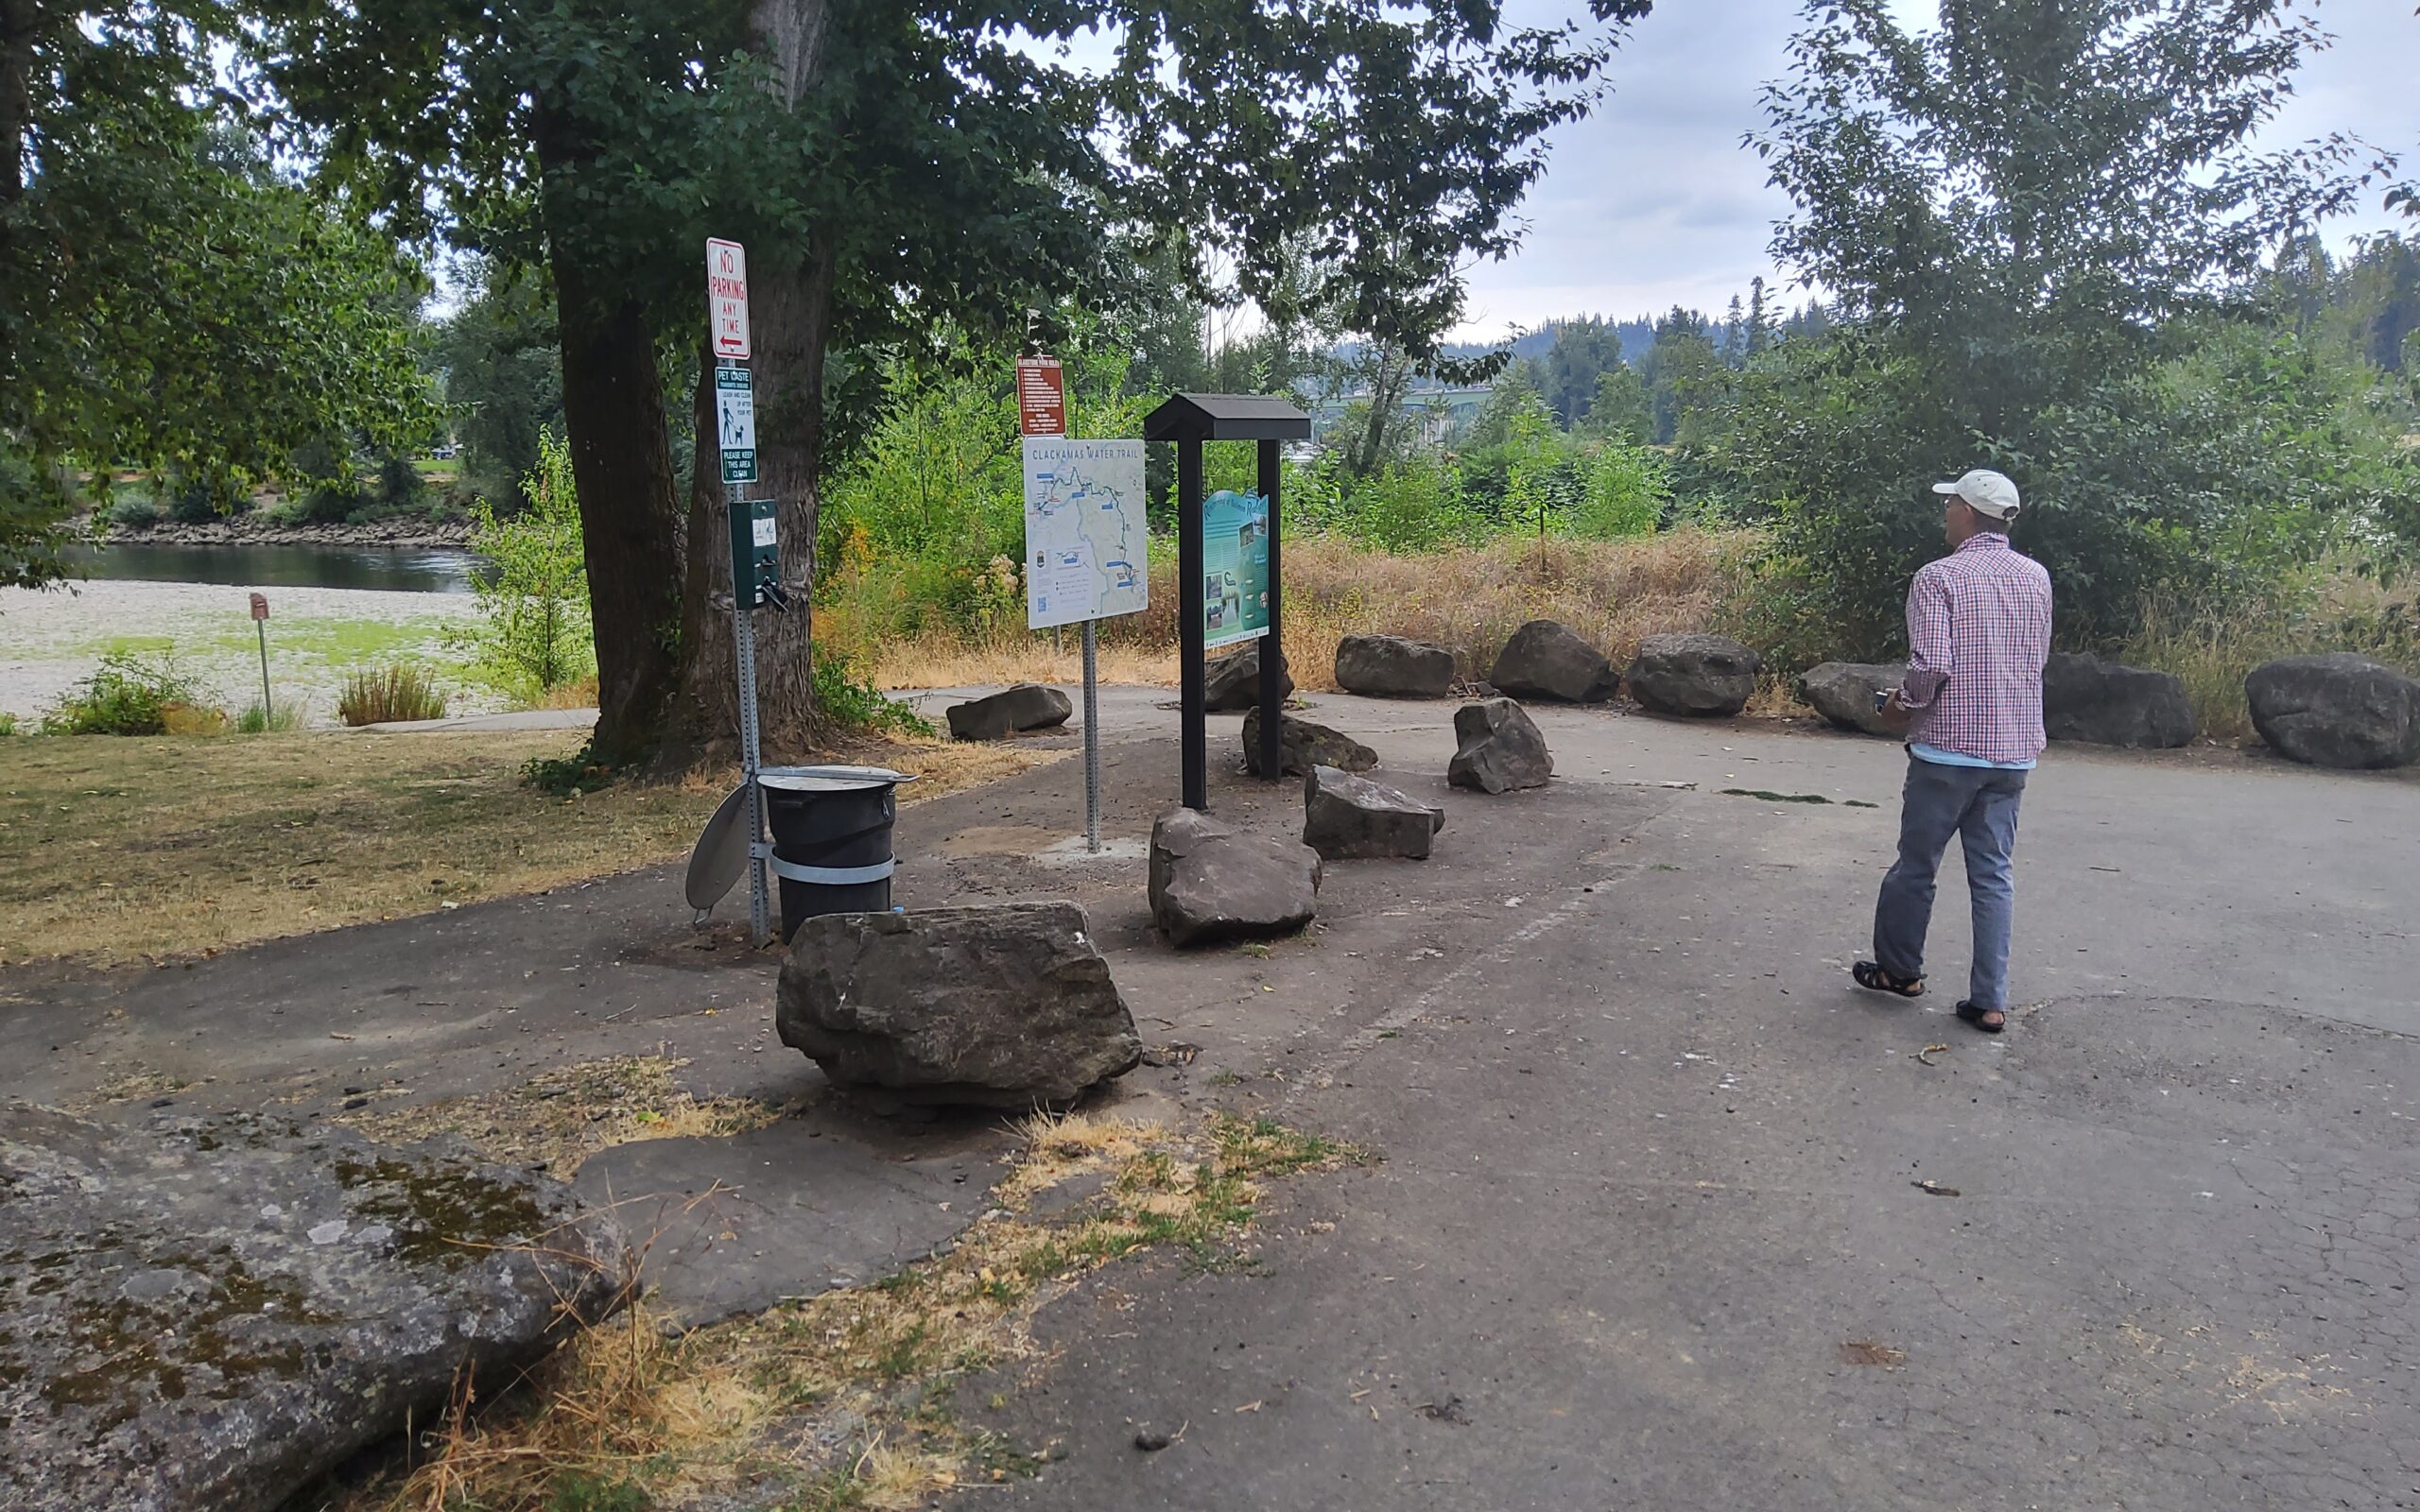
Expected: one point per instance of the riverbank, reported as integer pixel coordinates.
(255, 529)
(51, 639)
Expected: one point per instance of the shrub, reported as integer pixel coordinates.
(533, 632)
(404, 691)
(853, 703)
(280, 719)
(133, 511)
(130, 695)
(7, 723)
(400, 486)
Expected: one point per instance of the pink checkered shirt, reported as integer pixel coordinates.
(1978, 630)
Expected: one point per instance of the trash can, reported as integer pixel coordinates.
(831, 827)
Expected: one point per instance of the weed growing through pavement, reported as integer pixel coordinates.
(625, 1414)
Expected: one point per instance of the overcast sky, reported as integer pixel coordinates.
(1652, 201)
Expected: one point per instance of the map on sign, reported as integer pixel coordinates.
(1085, 556)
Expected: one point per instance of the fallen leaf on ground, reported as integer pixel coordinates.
(1934, 1189)
(1865, 1351)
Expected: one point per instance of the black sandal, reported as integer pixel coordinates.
(1974, 1016)
(1871, 977)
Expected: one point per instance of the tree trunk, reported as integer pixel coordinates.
(790, 316)
(621, 459)
(18, 19)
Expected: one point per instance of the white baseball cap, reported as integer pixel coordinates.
(1986, 492)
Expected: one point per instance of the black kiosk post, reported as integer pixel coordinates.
(1189, 419)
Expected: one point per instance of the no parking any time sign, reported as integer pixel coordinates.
(727, 297)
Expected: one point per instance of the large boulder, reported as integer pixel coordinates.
(1498, 749)
(1843, 692)
(1027, 706)
(204, 1315)
(1546, 659)
(1211, 881)
(1008, 1005)
(1303, 746)
(1390, 666)
(1234, 680)
(1344, 815)
(2337, 710)
(1696, 676)
(2105, 704)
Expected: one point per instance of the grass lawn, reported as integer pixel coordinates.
(116, 849)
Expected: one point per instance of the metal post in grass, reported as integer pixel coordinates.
(260, 623)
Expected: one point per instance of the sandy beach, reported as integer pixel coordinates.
(51, 639)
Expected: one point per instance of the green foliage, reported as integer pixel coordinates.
(577, 1493)
(532, 634)
(1622, 410)
(400, 485)
(503, 379)
(853, 704)
(128, 695)
(2034, 224)
(397, 692)
(569, 776)
(7, 723)
(133, 511)
(281, 718)
(169, 299)
(1627, 492)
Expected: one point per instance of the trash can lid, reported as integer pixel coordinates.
(830, 779)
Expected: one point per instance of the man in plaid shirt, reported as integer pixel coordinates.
(1978, 631)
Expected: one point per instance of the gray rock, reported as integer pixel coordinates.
(1234, 680)
(1027, 706)
(1344, 815)
(1843, 692)
(1210, 881)
(1499, 749)
(1003, 1006)
(2105, 704)
(203, 1314)
(1304, 744)
(1549, 660)
(1390, 666)
(2337, 710)
(1696, 676)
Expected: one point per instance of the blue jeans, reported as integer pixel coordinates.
(1979, 805)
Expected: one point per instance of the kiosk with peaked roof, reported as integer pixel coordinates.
(1189, 419)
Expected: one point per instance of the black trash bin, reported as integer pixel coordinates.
(831, 827)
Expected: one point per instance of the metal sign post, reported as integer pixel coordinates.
(260, 623)
(1083, 531)
(1085, 539)
(755, 554)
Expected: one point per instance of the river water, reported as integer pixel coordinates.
(395, 569)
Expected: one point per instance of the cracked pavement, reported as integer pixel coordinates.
(1645, 1228)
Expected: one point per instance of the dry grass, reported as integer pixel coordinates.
(114, 850)
(839, 1401)
(1470, 599)
(570, 1113)
(2212, 653)
(939, 660)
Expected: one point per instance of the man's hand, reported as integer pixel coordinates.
(1897, 716)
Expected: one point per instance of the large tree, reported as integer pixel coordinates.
(897, 169)
(168, 299)
(2019, 214)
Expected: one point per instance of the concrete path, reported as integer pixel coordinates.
(1643, 1229)
(464, 724)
